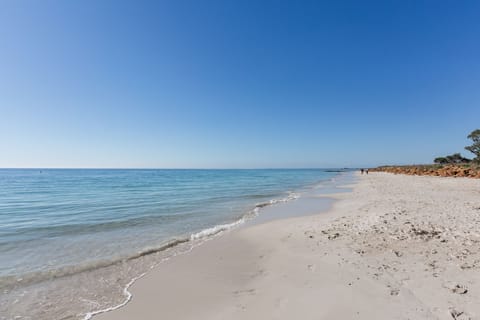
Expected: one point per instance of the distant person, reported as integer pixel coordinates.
(361, 170)
(366, 171)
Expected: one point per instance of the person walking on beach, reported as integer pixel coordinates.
(361, 170)
(366, 171)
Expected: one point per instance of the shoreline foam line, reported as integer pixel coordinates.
(249, 215)
(127, 293)
(203, 236)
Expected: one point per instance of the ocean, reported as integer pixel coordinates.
(64, 230)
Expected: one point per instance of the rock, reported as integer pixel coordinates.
(433, 170)
(459, 315)
(333, 236)
(459, 289)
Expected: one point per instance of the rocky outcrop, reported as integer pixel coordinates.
(434, 170)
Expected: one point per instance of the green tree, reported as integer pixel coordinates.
(441, 160)
(455, 158)
(475, 147)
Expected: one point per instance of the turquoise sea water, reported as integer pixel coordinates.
(55, 218)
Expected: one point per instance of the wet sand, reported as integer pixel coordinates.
(396, 247)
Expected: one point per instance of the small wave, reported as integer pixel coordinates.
(215, 230)
(9, 282)
(291, 196)
(224, 227)
(126, 293)
(166, 246)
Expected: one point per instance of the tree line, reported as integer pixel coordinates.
(457, 158)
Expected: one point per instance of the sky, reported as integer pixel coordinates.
(236, 84)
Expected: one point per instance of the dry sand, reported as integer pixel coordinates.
(396, 247)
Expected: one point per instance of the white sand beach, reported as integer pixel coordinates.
(396, 247)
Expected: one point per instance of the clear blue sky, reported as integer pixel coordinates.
(236, 83)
